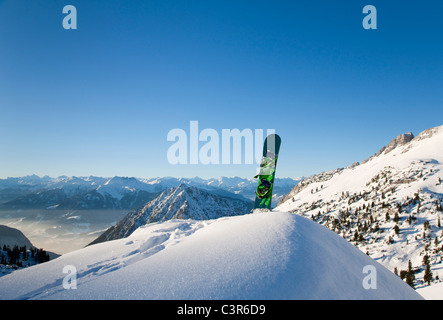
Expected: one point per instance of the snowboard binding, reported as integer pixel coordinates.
(263, 189)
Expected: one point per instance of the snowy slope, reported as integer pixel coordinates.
(254, 256)
(389, 206)
(433, 292)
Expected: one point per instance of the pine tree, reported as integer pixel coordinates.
(410, 275)
(426, 259)
(428, 274)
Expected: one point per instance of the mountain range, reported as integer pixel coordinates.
(86, 193)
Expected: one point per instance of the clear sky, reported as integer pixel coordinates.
(100, 100)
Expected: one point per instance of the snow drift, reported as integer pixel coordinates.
(255, 256)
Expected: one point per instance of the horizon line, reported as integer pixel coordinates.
(156, 177)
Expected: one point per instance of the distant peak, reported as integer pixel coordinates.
(183, 185)
(182, 188)
(398, 141)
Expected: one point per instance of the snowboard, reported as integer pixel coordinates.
(263, 193)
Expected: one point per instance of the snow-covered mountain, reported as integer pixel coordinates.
(13, 188)
(182, 202)
(240, 186)
(249, 257)
(246, 187)
(76, 193)
(390, 206)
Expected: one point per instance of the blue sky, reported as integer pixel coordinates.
(100, 100)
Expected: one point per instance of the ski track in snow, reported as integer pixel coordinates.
(139, 248)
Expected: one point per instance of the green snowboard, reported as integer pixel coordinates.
(263, 194)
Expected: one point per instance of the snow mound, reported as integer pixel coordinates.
(255, 256)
